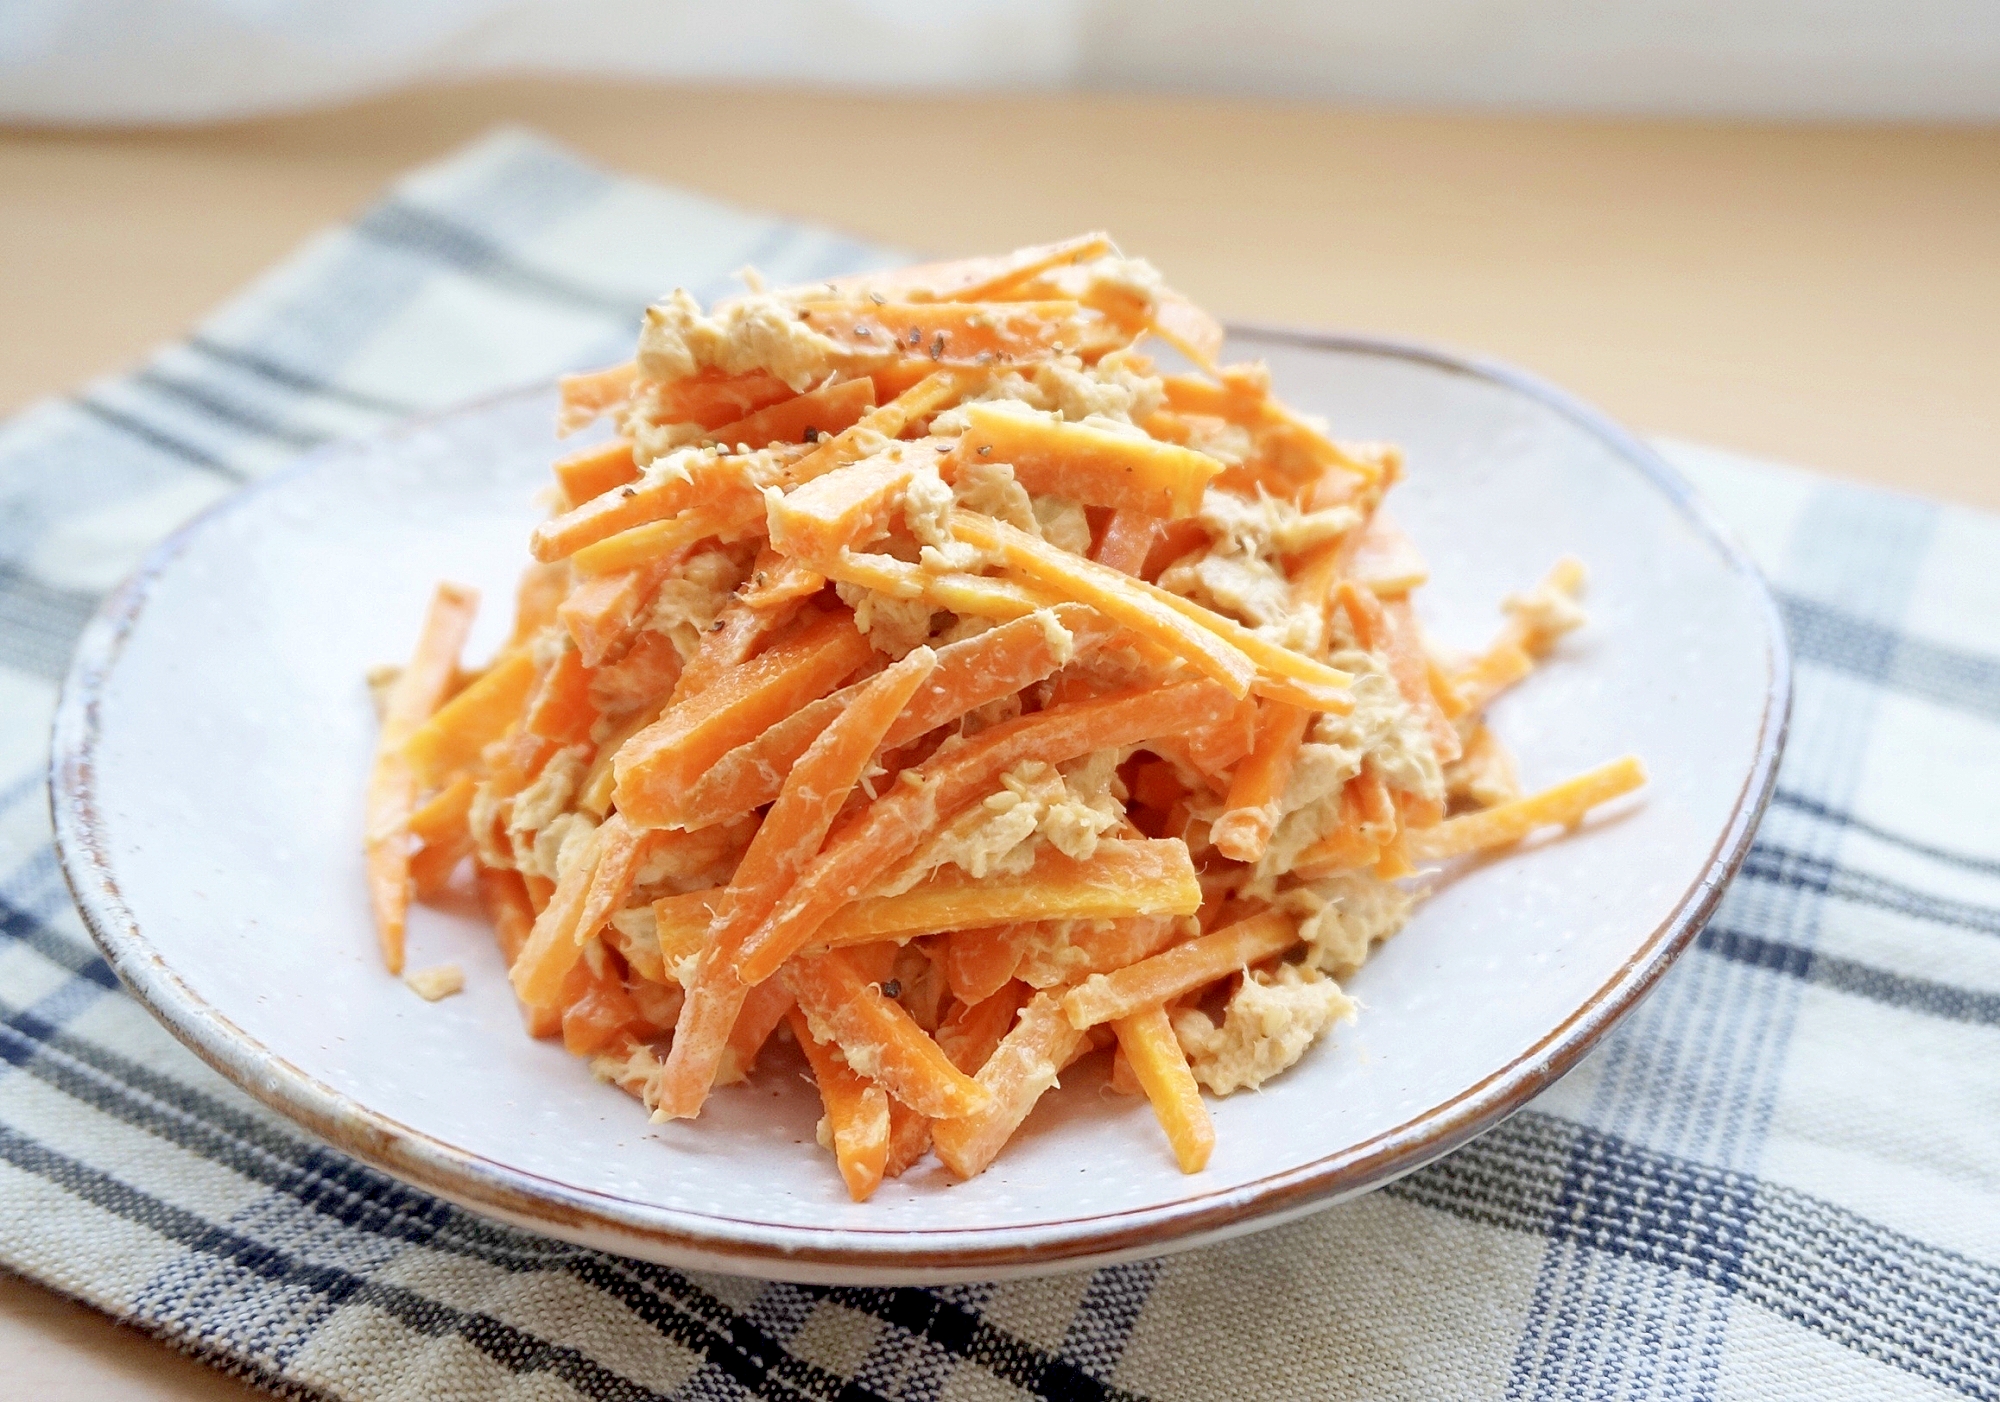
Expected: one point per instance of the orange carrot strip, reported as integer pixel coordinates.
(1115, 595)
(714, 397)
(1123, 877)
(733, 513)
(849, 506)
(763, 1009)
(857, 1112)
(595, 471)
(645, 674)
(536, 599)
(504, 897)
(552, 949)
(620, 850)
(1386, 560)
(969, 279)
(1062, 952)
(969, 1035)
(707, 479)
(662, 762)
(1084, 463)
(442, 818)
(455, 734)
(1410, 664)
(726, 645)
(878, 1038)
(1188, 329)
(560, 708)
(601, 613)
(890, 828)
(1014, 1077)
(790, 834)
(1161, 1068)
(1491, 673)
(804, 419)
(909, 1139)
(598, 1014)
(393, 784)
(1128, 538)
(953, 333)
(781, 580)
(970, 673)
(590, 394)
(1564, 804)
(1182, 969)
(980, 962)
(1257, 789)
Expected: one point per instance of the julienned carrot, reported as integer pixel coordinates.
(457, 731)
(1386, 561)
(1115, 595)
(1014, 1077)
(620, 849)
(756, 1020)
(595, 471)
(601, 614)
(394, 784)
(654, 497)
(711, 398)
(972, 1031)
(662, 762)
(1182, 969)
(1409, 663)
(909, 1138)
(890, 828)
(804, 419)
(732, 513)
(1128, 538)
(1085, 463)
(1063, 953)
(849, 506)
(928, 395)
(967, 279)
(878, 1038)
(1492, 672)
(1564, 805)
(727, 644)
(1257, 789)
(588, 395)
(979, 962)
(559, 708)
(790, 834)
(973, 595)
(782, 581)
(1157, 1061)
(552, 949)
(970, 673)
(857, 1113)
(968, 334)
(1123, 877)
(597, 1012)
(443, 835)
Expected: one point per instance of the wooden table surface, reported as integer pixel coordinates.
(1826, 295)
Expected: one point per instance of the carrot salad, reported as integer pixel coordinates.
(924, 676)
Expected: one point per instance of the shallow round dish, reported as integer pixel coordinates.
(215, 731)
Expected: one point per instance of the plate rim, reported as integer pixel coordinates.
(900, 1255)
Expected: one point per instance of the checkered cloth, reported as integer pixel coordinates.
(1779, 1177)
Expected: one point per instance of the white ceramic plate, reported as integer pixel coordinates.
(214, 734)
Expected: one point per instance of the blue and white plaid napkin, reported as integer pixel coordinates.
(1779, 1178)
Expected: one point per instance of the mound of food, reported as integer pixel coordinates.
(922, 675)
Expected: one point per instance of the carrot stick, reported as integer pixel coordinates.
(1123, 877)
(790, 834)
(1182, 969)
(601, 613)
(595, 471)
(713, 397)
(620, 850)
(973, 1030)
(1257, 789)
(662, 762)
(890, 828)
(552, 949)
(762, 1011)
(1410, 665)
(909, 1139)
(1155, 1056)
(588, 395)
(536, 599)
(781, 581)
(442, 818)
(1564, 804)
(727, 644)
(849, 506)
(969, 674)
(455, 734)
(1128, 538)
(857, 1113)
(705, 478)
(979, 962)
(878, 1038)
(1062, 953)
(1095, 466)
(393, 785)
(969, 279)
(1014, 1077)
(952, 333)
(560, 709)
(804, 419)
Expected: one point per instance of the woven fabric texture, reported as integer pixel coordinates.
(1779, 1177)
